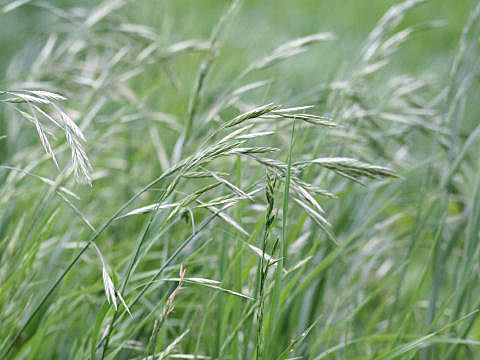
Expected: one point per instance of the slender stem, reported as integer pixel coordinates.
(191, 238)
(273, 316)
(80, 253)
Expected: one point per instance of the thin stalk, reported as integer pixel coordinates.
(273, 316)
(172, 257)
(79, 254)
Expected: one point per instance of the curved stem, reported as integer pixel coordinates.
(80, 253)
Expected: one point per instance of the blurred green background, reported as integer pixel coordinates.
(263, 25)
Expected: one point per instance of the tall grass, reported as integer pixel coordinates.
(227, 218)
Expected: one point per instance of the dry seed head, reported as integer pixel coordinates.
(73, 134)
(109, 288)
(354, 168)
(290, 49)
(174, 293)
(254, 113)
(386, 24)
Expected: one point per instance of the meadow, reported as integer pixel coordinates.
(239, 179)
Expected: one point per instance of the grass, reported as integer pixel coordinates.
(186, 183)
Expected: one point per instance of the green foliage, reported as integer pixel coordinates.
(319, 197)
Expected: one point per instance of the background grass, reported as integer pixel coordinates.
(276, 267)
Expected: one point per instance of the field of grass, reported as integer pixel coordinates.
(240, 179)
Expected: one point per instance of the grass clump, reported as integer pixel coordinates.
(335, 218)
